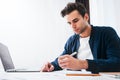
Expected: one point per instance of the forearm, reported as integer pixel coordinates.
(102, 65)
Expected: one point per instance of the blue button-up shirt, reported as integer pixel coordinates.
(105, 47)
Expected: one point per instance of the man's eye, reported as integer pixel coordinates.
(76, 20)
(69, 23)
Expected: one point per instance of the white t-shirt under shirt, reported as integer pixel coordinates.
(84, 51)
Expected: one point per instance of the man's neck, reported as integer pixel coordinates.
(87, 32)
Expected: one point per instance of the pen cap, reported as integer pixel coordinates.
(74, 53)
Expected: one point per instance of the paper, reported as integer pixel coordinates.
(56, 75)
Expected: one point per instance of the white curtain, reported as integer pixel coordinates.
(33, 30)
(106, 13)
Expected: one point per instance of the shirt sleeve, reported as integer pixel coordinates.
(112, 51)
(67, 50)
(69, 47)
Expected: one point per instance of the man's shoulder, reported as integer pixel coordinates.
(102, 28)
(74, 36)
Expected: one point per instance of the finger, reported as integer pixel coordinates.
(48, 66)
(51, 68)
(62, 63)
(64, 56)
(45, 68)
(63, 66)
(63, 60)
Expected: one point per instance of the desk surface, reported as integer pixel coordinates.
(57, 75)
(111, 73)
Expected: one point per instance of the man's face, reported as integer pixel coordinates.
(77, 22)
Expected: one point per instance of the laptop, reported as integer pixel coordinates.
(8, 63)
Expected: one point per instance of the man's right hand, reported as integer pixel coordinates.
(48, 67)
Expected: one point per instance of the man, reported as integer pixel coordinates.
(98, 48)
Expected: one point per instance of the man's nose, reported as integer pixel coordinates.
(73, 25)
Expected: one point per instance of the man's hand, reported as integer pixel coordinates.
(69, 62)
(48, 67)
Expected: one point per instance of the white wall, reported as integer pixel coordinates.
(105, 12)
(33, 30)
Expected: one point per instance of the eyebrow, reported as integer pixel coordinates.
(73, 20)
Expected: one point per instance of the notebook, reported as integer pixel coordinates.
(8, 63)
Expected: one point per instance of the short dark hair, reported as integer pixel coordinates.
(74, 6)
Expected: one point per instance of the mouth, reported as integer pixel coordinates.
(76, 30)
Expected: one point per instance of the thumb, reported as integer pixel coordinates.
(51, 68)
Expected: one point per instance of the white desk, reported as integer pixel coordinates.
(58, 75)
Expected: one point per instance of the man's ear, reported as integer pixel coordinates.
(86, 17)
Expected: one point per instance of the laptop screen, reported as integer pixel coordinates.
(6, 58)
